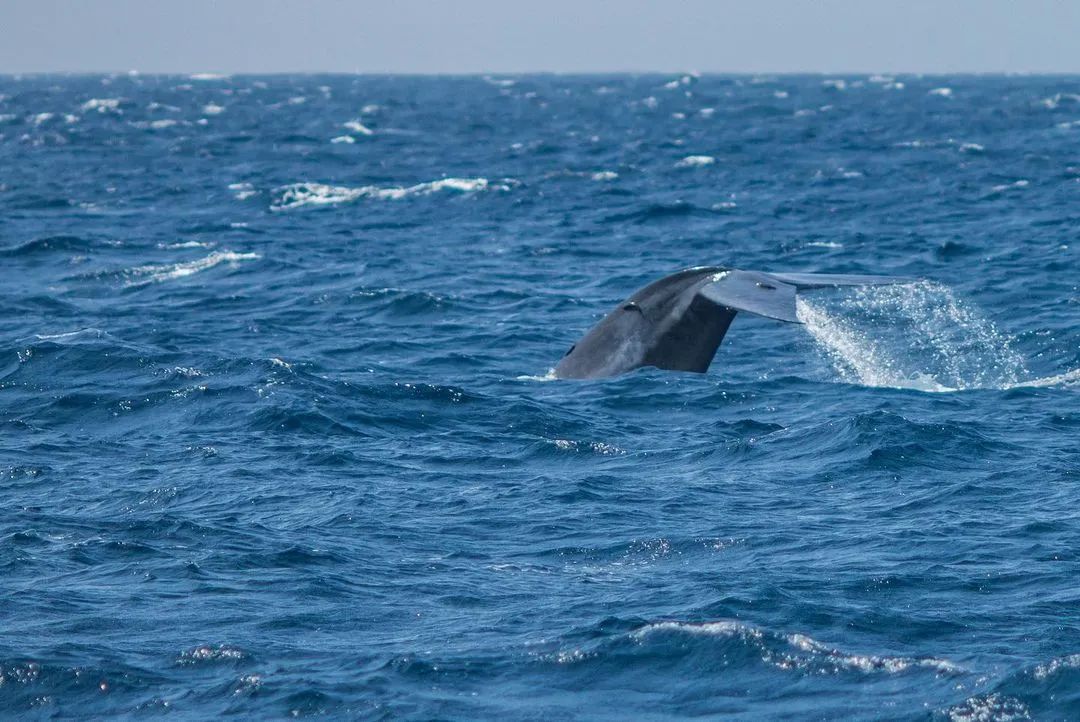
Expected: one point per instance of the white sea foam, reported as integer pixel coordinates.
(213, 109)
(167, 272)
(992, 707)
(917, 336)
(605, 175)
(1057, 99)
(707, 112)
(695, 160)
(242, 191)
(319, 194)
(797, 651)
(186, 244)
(836, 83)
(1068, 379)
(102, 105)
(208, 76)
(357, 127)
(343, 139)
(943, 92)
(1022, 183)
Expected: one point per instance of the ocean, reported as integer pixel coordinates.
(279, 436)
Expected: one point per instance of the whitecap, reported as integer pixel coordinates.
(695, 160)
(213, 109)
(186, 244)
(357, 127)
(208, 76)
(798, 651)
(1018, 184)
(243, 191)
(943, 92)
(706, 112)
(1067, 379)
(605, 175)
(171, 271)
(343, 139)
(102, 105)
(835, 83)
(304, 194)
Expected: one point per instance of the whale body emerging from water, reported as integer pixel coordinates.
(678, 322)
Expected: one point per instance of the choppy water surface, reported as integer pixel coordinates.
(276, 440)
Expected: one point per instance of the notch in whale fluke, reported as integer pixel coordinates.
(678, 322)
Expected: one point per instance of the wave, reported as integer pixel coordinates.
(169, 271)
(298, 195)
(790, 652)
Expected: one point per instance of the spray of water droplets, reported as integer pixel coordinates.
(912, 336)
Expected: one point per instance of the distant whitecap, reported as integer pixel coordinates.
(157, 273)
(102, 105)
(298, 195)
(343, 139)
(1018, 184)
(695, 160)
(213, 109)
(242, 191)
(943, 92)
(357, 127)
(605, 175)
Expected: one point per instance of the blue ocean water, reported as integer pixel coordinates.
(278, 438)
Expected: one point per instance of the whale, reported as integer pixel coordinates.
(677, 322)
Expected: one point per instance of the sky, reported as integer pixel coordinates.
(515, 36)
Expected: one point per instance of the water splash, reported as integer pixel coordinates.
(918, 336)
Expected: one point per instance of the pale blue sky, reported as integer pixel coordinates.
(476, 36)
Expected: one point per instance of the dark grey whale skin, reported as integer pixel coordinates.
(678, 322)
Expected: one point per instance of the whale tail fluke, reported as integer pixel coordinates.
(772, 295)
(678, 322)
